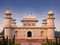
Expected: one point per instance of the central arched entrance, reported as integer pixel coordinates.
(29, 34)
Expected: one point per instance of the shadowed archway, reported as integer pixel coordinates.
(29, 34)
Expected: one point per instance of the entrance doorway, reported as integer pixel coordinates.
(29, 34)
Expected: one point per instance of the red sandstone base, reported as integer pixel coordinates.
(32, 41)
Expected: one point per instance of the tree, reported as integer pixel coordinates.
(59, 40)
(56, 40)
(13, 39)
(4, 42)
(1, 42)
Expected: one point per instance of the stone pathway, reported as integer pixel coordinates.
(30, 43)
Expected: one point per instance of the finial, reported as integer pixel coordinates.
(7, 12)
(50, 12)
(30, 14)
(8, 9)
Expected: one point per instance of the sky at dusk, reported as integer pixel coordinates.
(38, 8)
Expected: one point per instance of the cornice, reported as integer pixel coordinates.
(29, 20)
(29, 27)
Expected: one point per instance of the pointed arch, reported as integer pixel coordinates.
(29, 34)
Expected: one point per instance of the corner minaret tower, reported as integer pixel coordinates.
(51, 19)
(50, 25)
(7, 25)
(7, 18)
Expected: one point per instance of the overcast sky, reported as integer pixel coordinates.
(38, 8)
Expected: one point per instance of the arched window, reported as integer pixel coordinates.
(41, 33)
(29, 34)
(16, 33)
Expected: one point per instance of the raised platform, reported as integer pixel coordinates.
(33, 41)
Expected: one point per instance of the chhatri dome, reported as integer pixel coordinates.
(44, 19)
(8, 12)
(29, 16)
(13, 18)
(50, 12)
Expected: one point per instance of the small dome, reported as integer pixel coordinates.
(29, 16)
(50, 12)
(7, 12)
(13, 19)
(44, 19)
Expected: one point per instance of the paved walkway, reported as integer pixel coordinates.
(30, 43)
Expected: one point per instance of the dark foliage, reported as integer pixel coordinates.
(4, 41)
(13, 40)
